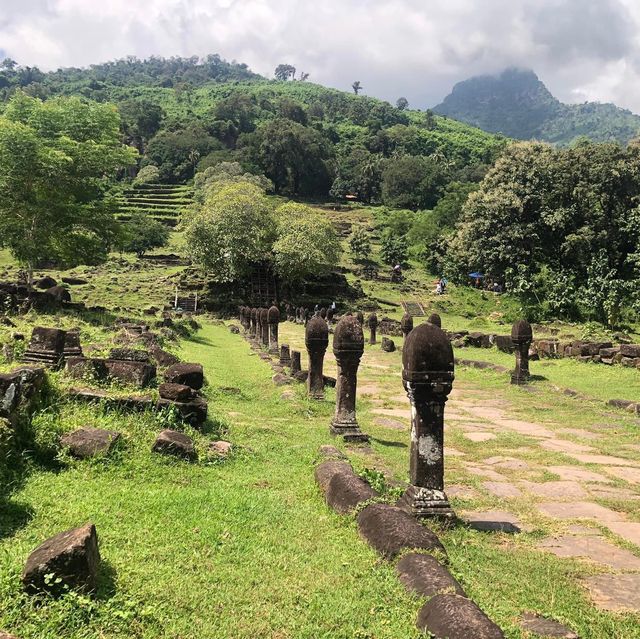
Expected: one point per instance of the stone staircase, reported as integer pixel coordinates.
(162, 202)
(415, 309)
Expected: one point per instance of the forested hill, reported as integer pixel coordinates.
(188, 114)
(517, 104)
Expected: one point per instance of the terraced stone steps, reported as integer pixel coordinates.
(163, 202)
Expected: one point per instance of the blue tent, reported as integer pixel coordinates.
(476, 275)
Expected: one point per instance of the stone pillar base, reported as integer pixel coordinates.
(519, 380)
(426, 503)
(349, 432)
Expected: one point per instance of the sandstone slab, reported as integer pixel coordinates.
(171, 442)
(493, 521)
(594, 549)
(616, 593)
(556, 489)
(546, 628)
(501, 489)
(88, 442)
(580, 510)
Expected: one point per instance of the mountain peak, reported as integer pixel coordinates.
(516, 103)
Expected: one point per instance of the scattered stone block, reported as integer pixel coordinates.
(59, 294)
(280, 379)
(72, 346)
(163, 358)
(176, 392)
(71, 556)
(46, 347)
(130, 354)
(171, 442)
(388, 345)
(630, 350)
(327, 450)
(456, 617)
(424, 575)
(45, 282)
(220, 448)
(89, 442)
(326, 470)
(389, 530)
(504, 343)
(74, 281)
(193, 412)
(546, 628)
(187, 374)
(346, 491)
(130, 372)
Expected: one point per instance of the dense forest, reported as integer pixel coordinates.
(517, 104)
(185, 115)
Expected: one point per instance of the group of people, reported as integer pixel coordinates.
(441, 285)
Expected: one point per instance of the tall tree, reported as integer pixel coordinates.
(357, 87)
(402, 104)
(56, 161)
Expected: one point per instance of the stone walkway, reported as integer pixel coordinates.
(535, 476)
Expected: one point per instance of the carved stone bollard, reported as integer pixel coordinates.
(273, 319)
(373, 327)
(521, 336)
(360, 317)
(285, 355)
(348, 346)
(264, 327)
(253, 330)
(316, 339)
(406, 323)
(427, 375)
(323, 313)
(435, 319)
(330, 314)
(296, 366)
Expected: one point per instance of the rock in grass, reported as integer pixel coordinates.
(426, 576)
(220, 448)
(176, 392)
(389, 530)
(70, 560)
(88, 442)
(188, 374)
(171, 442)
(456, 617)
(547, 628)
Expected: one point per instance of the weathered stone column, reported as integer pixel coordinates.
(348, 346)
(435, 319)
(254, 323)
(316, 339)
(521, 336)
(360, 317)
(427, 375)
(406, 323)
(285, 355)
(296, 367)
(330, 314)
(373, 327)
(273, 318)
(323, 313)
(264, 327)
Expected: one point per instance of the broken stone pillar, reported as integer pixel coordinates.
(254, 323)
(435, 319)
(285, 355)
(316, 339)
(264, 327)
(521, 336)
(373, 327)
(273, 319)
(406, 323)
(296, 367)
(46, 347)
(427, 376)
(348, 346)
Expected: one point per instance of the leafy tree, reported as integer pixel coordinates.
(360, 244)
(149, 174)
(141, 120)
(357, 87)
(221, 175)
(402, 104)
(56, 161)
(234, 229)
(307, 243)
(360, 174)
(412, 182)
(142, 233)
(285, 71)
(393, 248)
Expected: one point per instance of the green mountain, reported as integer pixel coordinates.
(517, 104)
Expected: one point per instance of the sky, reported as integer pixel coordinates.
(582, 49)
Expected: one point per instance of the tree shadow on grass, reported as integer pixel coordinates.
(13, 516)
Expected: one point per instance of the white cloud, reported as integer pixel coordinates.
(583, 49)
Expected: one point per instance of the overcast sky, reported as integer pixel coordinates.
(582, 49)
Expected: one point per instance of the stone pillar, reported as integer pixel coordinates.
(406, 323)
(521, 336)
(264, 327)
(273, 318)
(285, 355)
(360, 317)
(427, 375)
(348, 346)
(330, 314)
(373, 327)
(295, 362)
(323, 313)
(316, 339)
(435, 319)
